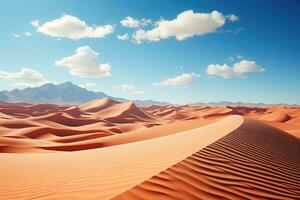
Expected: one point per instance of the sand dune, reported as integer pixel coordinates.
(98, 105)
(102, 173)
(276, 117)
(104, 122)
(252, 162)
(108, 149)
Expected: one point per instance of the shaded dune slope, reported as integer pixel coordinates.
(255, 161)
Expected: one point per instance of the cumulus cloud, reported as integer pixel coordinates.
(232, 17)
(85, 63)
(238, 69)
(128, 88)
(187, 24)
(24, 78)
(123, 37)
(71, 27)
(181, 80)
(130, 22)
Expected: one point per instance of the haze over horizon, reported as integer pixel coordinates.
(184, 52)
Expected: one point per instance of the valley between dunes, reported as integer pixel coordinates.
(106, 149)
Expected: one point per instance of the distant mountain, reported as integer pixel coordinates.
(65, 93)
(69, 93)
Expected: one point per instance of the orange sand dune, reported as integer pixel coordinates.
(102, 173)
(108, 149)
(252, 162)
(104, 122)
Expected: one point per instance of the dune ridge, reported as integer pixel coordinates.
(102, 173)
(252, 162)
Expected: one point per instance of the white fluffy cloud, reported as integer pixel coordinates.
(123, 37)
(128, 88)
(181, 80)
(187, 24)
(238, 69)
(232, 17)
(71, 27)
(24, 78)
(85, 63)
(130, 22)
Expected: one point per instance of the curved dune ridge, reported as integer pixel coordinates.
(232, 158)
(102, 173)
(252, 162)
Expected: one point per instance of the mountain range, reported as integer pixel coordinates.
(64, 93)
(69, 93)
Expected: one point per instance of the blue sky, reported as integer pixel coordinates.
(207, 56)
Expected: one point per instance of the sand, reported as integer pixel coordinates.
(107, 149)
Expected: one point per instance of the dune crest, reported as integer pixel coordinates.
(103, 173)
(252, 162)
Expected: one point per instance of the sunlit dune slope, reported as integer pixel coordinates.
(254, 161)
(102, 173)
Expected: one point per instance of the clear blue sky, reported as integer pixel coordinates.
(266, 32)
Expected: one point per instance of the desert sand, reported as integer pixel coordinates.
(106, 149)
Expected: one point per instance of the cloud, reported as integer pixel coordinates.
(187, 24)
(239, 56)
(27, 34)
(234, 58)
(130, 22)
(232, 17)
(123, 37)
(16, 35)
(85, 63)
(181, 80)
(238, 69)
(35, 23)
(24, 78)
(128, 88)
(71, 27)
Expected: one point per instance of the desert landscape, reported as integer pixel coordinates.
(149, 100)
(105, 149)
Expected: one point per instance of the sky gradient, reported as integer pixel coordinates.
(251, 57)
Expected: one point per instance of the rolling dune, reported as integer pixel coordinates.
(107, 149)
(102, 173)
